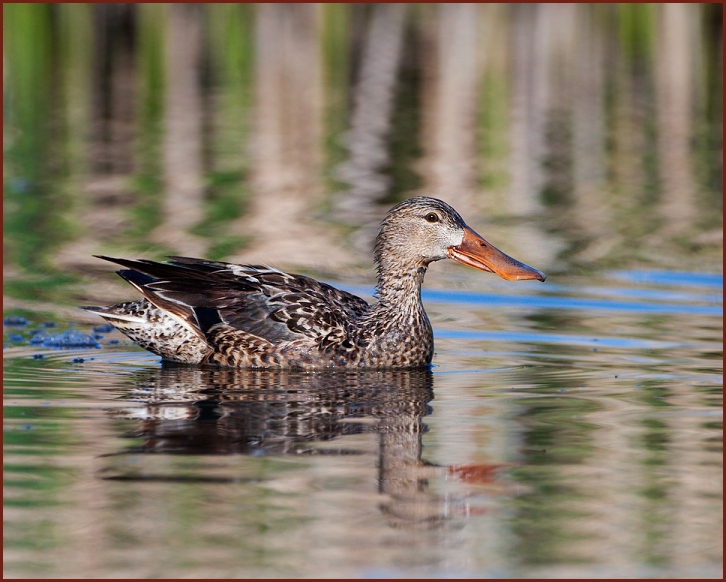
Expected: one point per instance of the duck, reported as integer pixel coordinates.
(197, 311)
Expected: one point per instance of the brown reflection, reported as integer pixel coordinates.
(592, 215)
(285, 143)
(674, 99)
(371, 118)
(451, 99)
(530, 99)
(210, 411)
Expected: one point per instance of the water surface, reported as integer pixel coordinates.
(566, 429)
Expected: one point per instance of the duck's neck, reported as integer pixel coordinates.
(399, 283)
(396, 332)
(400, 288)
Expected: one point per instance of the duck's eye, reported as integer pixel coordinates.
(432, 217)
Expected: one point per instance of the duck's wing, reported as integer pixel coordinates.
(256, 299)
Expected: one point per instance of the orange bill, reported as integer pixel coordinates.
(478, 253)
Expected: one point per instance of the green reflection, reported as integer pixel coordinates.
(493, 131)
(37, 535)
(337, 49)
(147, 181)
(404, 138)
(547, 516)
(231, 67)
(657, 512)
(636, 25)
(33, 217)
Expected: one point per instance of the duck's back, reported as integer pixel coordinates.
(197, 311)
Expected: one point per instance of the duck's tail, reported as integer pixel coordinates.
(154, 330)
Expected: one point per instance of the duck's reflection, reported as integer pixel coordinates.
(199, 411)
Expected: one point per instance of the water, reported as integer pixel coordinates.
(568, 429)
(572, 428)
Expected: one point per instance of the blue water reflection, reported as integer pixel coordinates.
(535, 337)
(680, 278)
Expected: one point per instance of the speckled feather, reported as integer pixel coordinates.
(199, 311)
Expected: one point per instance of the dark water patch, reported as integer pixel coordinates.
(71, 338)
(105, 328)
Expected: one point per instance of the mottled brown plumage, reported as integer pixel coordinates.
(197, 311)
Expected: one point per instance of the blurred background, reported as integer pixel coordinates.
(574, 136)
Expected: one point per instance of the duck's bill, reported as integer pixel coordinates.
(475, 252)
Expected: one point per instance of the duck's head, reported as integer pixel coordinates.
(421, 230)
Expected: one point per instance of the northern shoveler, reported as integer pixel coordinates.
(197, 311)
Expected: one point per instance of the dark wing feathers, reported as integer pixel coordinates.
(257, 299)
(136, 278)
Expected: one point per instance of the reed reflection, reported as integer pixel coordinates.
(213, 411)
